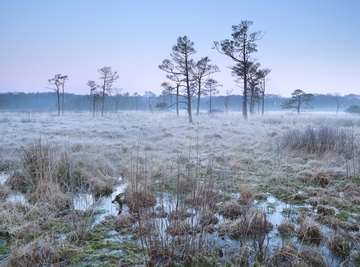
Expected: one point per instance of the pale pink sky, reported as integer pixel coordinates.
(311, 45)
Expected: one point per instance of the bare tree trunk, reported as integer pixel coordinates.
(58, 101)
(244, 107)
(262, 103)
(210, 111)
(188, 89)
(62, 99)
(189, 105)
(177, 99)
(298, 107)
(94, 100)
(198, 101)
(103, 99)
(252, 102)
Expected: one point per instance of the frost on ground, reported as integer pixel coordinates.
(217, 165)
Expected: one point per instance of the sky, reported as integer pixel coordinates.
(313, 45)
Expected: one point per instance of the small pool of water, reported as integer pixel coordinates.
(3, 177)
(86, 201)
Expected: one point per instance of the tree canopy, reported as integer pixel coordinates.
(297, 100)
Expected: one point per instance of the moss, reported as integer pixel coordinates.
(4, 249)
(104, 244)
(342, 216)
(200, 262)
(57, 225)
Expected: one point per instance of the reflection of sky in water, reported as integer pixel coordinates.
(86, 201)
(3, 178)
(14, 196)
(276, 210)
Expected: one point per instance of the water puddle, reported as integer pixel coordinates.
(276, 212)
(3, 177)
(14, 196)
(86, 201)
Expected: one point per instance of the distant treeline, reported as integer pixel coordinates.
(48, 102)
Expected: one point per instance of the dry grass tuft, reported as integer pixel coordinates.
(179, 214)
(254, 223)
(204, 195)
(340, 244)
(4, 192)
(312, 257)
(101, 187)
(44, 252)
(185, 185)
(51, 194)
(230, 210)
(207, 218)
(142, 198)
(246, 194)
(119, 223)
(146, 228)
(325, 211)
(309, 231)
(319, 141)
(286, 228)
(286, 256)
(180, 228)
(322, 179)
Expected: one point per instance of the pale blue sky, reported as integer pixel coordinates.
(309, 44)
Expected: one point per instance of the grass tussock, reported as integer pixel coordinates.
(286, 228)
(179, 214)
(253, 223)
(101, 187)
(40, 252)
(230, 210)
(340, 244)
(4, 192)
(325, 211)
(204, 195)
(51, 194)
(322, 179)
(246, 194)
(286, 255)
(310, 232)
(289, 255)
(140, 198)
(179, 228)
(311, 257)
(120, 223)
(319, 141)
(208, 218)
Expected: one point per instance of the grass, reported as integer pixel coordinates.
(215, 168)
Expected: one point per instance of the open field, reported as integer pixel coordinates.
(276, 190)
